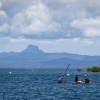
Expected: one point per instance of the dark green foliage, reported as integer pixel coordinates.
(79, 70)
(89, 69)
(94, 69)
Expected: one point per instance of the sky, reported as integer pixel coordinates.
(71, 26)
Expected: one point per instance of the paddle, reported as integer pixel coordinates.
(66, 70)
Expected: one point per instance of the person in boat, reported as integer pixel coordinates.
(60, 80)
(86, 79)
(76, 78)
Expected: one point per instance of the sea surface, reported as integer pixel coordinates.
(41, 84)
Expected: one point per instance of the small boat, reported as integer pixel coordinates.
(81, 82)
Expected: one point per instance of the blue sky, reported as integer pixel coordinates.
(71, 26)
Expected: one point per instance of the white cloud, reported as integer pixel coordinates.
(3, 17)
(87, 42)
(4, 28)
(15, 6)
(42, 16)
(0, 5)
(89, 26)
(82, 3)
(78, 9)
(17, 24)
(51, 23)
(35, 19)
(4, 40)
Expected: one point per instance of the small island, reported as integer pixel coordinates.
(79, 69)
(94, 69)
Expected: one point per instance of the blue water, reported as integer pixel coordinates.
(41, 84)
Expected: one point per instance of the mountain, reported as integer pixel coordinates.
(32, 49)
(33, 57)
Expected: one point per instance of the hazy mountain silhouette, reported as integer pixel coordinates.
(32, 49)
(32, 57)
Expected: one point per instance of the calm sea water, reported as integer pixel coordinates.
(41, 84)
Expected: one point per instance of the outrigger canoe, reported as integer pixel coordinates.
(81, 82)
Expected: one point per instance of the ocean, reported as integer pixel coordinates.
(41, 84)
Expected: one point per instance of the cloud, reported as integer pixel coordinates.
(0, 5)
(34, 20)
(15, 6)
(89, 26)
(4, 28)
(3, 17)
(53, 25)
(53, 19)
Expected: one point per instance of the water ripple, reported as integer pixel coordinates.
(42, 85)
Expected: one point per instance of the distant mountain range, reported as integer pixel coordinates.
(33, 57)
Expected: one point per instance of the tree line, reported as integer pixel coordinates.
(93, 69)
(90, 69)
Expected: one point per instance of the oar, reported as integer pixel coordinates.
(66, 70)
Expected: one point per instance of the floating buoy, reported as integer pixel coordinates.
(9, 72)
(67, 74)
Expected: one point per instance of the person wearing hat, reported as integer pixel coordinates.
(86, 79)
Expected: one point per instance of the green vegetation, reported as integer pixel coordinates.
(79, 70)
(94, 69)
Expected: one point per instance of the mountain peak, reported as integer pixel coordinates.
(33, 49)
